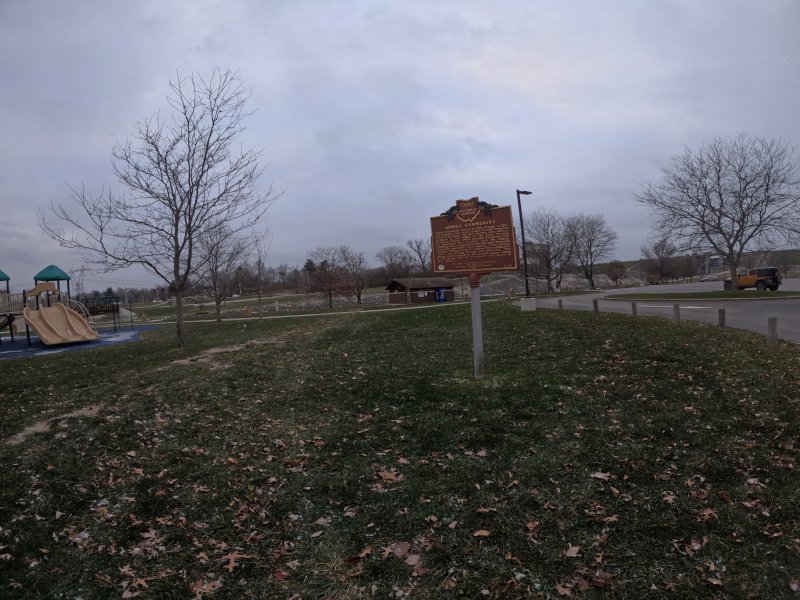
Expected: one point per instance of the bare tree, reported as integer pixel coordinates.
(592, 241)
(729, 195)
(554, 246)
(421, 254)
(615, 271)
(183, 176)
(396, 261)
(661, 262)
(326, 274)
(261, 249)
(687, 266)
(354, 267)
(282, 273)
(222, 252)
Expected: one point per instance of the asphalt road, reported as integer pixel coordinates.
(741, 314)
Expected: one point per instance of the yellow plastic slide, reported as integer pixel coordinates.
(59, 325)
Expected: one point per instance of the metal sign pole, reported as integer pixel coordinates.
(477, 324)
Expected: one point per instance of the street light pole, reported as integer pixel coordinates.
(524, 249)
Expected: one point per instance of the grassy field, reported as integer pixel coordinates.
(355, 457)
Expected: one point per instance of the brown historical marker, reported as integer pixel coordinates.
(474, 237)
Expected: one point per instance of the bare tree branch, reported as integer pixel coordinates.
(730, 195)
(592, 241)
(222, 250)
(354, 267)
(421, 254)
(182, 180)
(553, 246)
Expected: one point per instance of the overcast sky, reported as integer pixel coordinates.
(376, 115)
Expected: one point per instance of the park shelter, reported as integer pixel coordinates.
(52, 273)
(415, 290)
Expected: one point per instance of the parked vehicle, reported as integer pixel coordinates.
(709, 278)
(762, 278)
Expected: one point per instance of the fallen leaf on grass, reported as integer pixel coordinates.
(103, 578)
(600, 475)
(280, 575)
(564, 589)
(601, 578)
(794, 585)
(482, 533)
(572, 551)
(390, 476)
(707, 514)
(232, 558)
(202, 587)
(397, 549)
(419, 570)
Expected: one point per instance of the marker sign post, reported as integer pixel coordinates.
(474, 238)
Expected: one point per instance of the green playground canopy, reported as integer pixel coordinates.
(51, 273)
(4, 277)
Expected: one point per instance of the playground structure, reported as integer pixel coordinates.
(54, 316)
(52, 320)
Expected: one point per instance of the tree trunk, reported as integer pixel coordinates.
(179, 317)
(218, 309)
(330, 298)
(733, 268)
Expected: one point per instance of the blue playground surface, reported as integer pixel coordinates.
(19, 347)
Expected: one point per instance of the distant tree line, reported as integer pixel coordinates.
(344, 271)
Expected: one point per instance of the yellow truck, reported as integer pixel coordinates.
(762, 278)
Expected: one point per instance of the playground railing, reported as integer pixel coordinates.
(77, 307)
(11, 304)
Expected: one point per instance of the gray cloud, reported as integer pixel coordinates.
(376, 116)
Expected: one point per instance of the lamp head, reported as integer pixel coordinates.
(524, 193)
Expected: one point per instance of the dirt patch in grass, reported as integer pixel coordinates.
(44, 426)
(210, 356)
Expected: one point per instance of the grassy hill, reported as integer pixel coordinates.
(353, 456)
